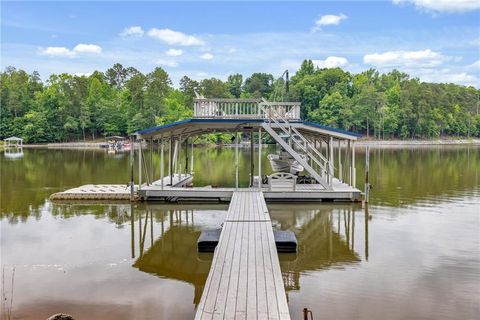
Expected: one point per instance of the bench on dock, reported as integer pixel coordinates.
(245, 280)
(282, 181)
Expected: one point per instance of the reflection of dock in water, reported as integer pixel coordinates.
(165, 241)
(322, 243)
(171, 250)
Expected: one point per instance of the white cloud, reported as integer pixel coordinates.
(207, 56)
(327, 20)
(87, 48)
(166, 63)
(57, 52)
(134, 31)
(65, 52)
(449, 76)
(174, 37)
(443, 5)
(83, 74)
(421, 58)
(331, 62)
(475, 65)
(174, 52)
(232, 50)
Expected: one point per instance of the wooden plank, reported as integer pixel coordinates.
(245, 280)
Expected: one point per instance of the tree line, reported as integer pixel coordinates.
(123, 100)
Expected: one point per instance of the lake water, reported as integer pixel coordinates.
(414, 253)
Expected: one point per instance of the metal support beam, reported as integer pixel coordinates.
(354, 170)
(236, 160)
(340, 168)
(140, 164)
(191, 159)
(162, 166)
(260, 159)
(170, 161)
(331, 174)
(252, 166)
(132, 159)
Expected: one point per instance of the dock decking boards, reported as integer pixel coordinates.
(245, 281)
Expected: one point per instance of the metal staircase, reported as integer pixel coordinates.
(298, 141)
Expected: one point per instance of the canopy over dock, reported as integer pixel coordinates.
(326, 154)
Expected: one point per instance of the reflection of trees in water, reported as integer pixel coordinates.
(416, 174)
(173, 253)
(325, 235)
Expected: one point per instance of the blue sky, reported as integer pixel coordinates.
(435, 40)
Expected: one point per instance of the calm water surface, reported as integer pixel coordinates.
(413, 254)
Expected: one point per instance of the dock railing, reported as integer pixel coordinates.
(244, 109)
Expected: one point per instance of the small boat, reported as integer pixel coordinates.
(284, 162)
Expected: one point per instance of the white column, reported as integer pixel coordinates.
(191, 160)
(340, 169)
(236, 160)
(354, 173)
(161, 161)
(139, 164)
(330, 161)
(260, 159)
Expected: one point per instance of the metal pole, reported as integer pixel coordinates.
(260, 159)
(354, 173)
(349, 162)
(367, 168)
(236, 160)
(162, 166)
(170, 160)
(179, 157)
(132, 159)
(191, 160)
(151, 161)
(340, 169)
(140, 165)
(330, 161)
(252, 166)
(186, 157)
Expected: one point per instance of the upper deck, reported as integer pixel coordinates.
(244, 109)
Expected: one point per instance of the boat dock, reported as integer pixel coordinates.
(245, 280)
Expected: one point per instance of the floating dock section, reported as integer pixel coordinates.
(245, 280)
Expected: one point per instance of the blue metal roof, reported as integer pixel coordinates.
(194, 120)
(317, 125)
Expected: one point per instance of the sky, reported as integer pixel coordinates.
(434, 40)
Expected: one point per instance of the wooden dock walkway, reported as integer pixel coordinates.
(245, 281)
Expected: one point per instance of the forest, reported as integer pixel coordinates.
(122, 100)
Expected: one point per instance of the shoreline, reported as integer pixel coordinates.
(359, 143)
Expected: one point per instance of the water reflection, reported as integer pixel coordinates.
(168, 248)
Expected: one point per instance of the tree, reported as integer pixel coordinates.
(259, 85)
(234, 84)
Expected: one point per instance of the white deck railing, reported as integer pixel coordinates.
(245, 109)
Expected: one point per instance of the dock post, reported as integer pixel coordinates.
(367, 169)
(191, 159)
(236, 160)
(354, 173)
(260, 159)
(132, 158)
(349, 162)
(161, 160)
(179, 159)
(252, 167)
(140, 164)
(340, 168)
(331, 173)
(170, 160)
